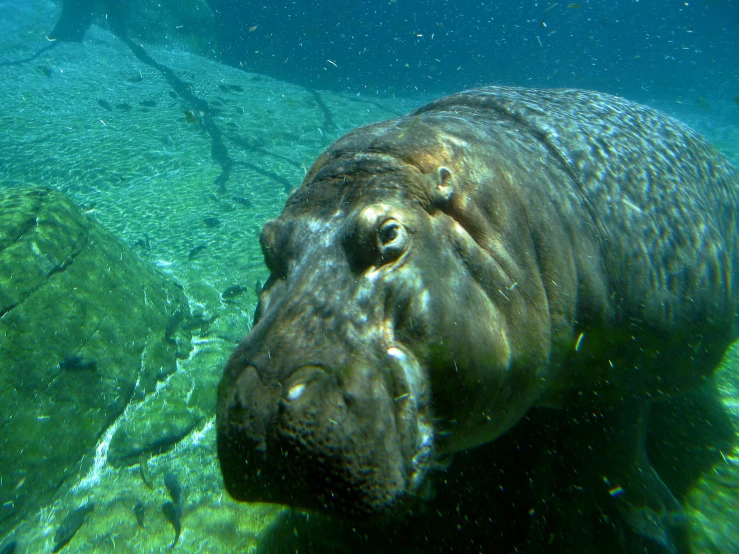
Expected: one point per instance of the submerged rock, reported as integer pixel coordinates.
(83, 332)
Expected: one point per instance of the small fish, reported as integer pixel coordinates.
(124, 106)
(230, 88)
(212, 222)
(105, 105)
(200, 323)
(71, 525)
(197, 250)
(173, 323)
(144, 469)
(233, 292)
(173, 515)
(144, 243)
(574, 6)
(77, 363)
(242, 200)
(191, 116)
(9, 548)
(148, 103)
(702, 103)
(140, 512)
(258, 287)
(174, 489)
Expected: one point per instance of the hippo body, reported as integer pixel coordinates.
(436, 276)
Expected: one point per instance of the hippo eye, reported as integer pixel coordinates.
(375, 238)
(391, 239)
(389, 232)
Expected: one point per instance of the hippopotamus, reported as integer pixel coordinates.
(438, 275)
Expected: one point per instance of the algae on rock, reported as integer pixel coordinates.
(85, 329)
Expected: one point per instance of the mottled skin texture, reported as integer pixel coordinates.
(437, 275)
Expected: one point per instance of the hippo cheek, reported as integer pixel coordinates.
(341, 445)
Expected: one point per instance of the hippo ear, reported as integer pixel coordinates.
(444, 187)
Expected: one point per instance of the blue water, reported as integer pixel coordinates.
(181, 127)
(671, 49)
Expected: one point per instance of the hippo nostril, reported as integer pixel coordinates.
(295, 392)
(303, 377)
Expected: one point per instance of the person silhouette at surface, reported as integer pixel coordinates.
(76, 18)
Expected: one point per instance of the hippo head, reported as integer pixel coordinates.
(379, 294)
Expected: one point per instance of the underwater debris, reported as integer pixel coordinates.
(233, 292)
(413, 124)
(71, 525)
(77, 363)
(197, 250)
(543, 22)
(140, 512)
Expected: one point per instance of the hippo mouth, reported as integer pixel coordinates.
(356, 442)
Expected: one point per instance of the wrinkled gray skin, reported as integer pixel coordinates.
(437, 275)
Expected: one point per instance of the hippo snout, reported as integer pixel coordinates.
(347, 440)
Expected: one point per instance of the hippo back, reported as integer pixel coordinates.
(663, 199)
